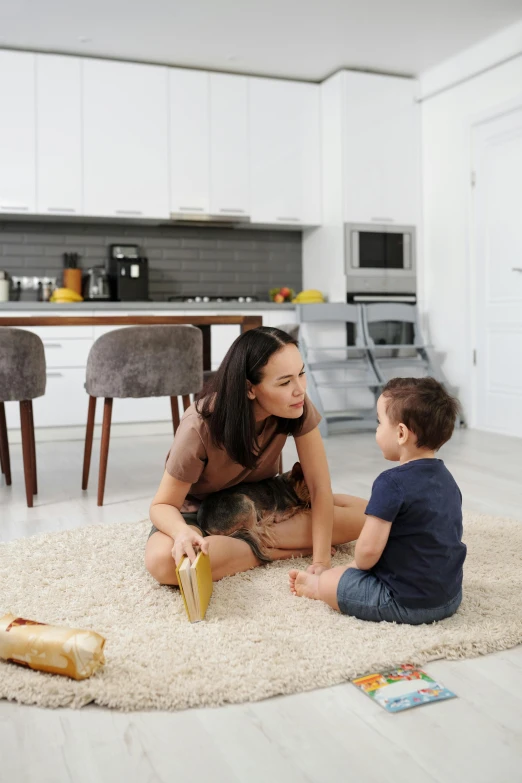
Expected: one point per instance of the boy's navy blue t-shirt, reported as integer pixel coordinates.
(422, 561)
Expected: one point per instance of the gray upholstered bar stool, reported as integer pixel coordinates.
(22, 379)
(140, 361)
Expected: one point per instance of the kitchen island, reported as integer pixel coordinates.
(204, 322)
(68, 332)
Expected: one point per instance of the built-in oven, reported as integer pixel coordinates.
(380, 260)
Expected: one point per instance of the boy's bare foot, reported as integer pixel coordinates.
(304, 584)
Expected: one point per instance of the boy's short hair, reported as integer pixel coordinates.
(424, 406)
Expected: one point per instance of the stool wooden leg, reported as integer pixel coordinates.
(4, 446)
(89, 433)
(104, 449)
(25, 421)
(186, 401)
(175, 413)
(33, 447)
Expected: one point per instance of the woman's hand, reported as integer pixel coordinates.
(185, 542)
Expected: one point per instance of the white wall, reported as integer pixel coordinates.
(447, 119)
(323, 248)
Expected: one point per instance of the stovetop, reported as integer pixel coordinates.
(205, 298)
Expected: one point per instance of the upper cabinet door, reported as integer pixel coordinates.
(58, 135)
(17, 132)
(189, 142)
(381, 140)
(228, 145)
(125, 149)
(285, 180)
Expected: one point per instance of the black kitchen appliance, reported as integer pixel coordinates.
(128, 273)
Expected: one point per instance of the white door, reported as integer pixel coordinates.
(497, 161)
(17, 133)
(125, 142)
(189, 142)
(58, 135)
(228, 145)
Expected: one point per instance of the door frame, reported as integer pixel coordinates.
(475, 121)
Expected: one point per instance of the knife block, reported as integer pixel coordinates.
(72, 278)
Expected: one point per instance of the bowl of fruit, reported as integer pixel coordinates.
(282, 294)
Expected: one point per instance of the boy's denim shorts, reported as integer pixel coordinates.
(362, 595)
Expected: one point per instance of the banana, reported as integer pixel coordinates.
(65, 295)
(310, 296)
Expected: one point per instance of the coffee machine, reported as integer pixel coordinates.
(128, 274)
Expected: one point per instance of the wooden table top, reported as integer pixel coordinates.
(245, 321)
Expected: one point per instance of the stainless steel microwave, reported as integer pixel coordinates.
(380, 259)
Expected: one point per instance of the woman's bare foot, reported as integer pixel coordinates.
(304, 584)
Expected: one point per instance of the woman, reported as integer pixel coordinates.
(236, 433)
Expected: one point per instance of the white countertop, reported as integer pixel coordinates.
(49, 307)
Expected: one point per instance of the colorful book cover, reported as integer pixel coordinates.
(402, 688)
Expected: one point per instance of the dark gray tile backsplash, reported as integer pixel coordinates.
(182, 260)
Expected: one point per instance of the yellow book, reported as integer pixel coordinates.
(195, 584)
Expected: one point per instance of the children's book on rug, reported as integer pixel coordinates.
(195, 584)
(402, 688)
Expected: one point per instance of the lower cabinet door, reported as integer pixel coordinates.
(222, 338)
(64, 403)
(65, 400)
(129, 410)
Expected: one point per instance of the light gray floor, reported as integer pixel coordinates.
(335, 734)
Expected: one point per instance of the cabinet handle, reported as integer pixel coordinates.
(290, 219)
(128, 212)
(53, 345)
(191, 209)
(233, 211)
(14, 208)
(54, 374)
(68, 210)
(516, 269)
(382, 220)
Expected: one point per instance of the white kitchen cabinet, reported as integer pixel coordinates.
(46, 333)
(64, 403)
(381, 149)
(189, 141)
(285, 156)
(59, 183)
(224, 335)
(66, 349)
(66, 353)
(222, 338)
(17, 132)
(130, 410)
(125, 145)
(229, 145)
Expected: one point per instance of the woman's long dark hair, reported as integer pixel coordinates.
(224, 401)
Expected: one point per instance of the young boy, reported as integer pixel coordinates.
(409, 556)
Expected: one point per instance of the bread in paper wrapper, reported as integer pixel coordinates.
(51, 648)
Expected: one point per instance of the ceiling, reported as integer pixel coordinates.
(304, 39)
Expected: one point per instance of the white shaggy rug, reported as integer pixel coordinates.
(258, 640)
